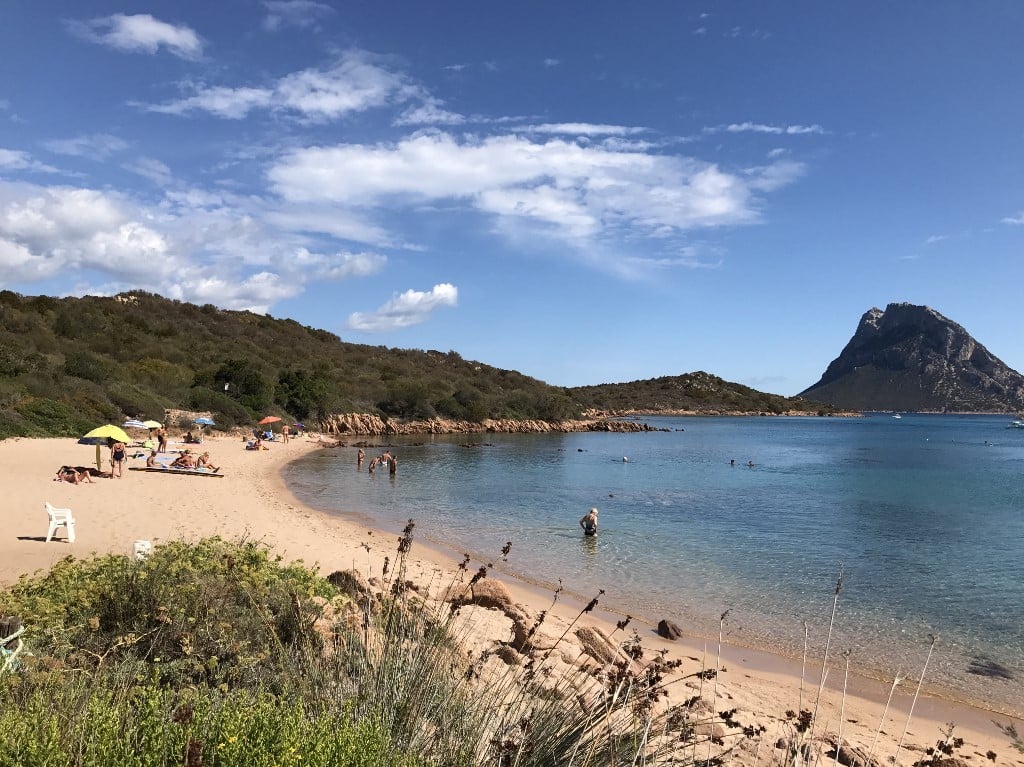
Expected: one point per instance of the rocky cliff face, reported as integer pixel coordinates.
(912, 358)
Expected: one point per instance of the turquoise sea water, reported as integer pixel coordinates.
(924, 514)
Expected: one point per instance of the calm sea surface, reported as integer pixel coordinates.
(923, 514)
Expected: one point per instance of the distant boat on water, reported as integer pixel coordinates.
(896, 415)
(1018, 424)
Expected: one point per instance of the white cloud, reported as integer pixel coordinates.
(195, 246)
(141, 33)
(294, 13)
(1015, 220)
(561, 208)
(15, 159)
(337, 222)
(687, 258)
(571, 191)
(431, 112)
(616, 144)
(776, 130)
(151, 169)
(98, 146)
(700, 31)
(932, 239)
(409, 308)
(768, 178)
(229, 103)
(552, 62)
(257, 292)
(20, 263)
(64, 228)
(355, 83)
(337, 266)
(584, 129)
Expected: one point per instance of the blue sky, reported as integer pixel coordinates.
(586, 192)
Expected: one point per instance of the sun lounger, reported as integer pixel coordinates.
(193, 472)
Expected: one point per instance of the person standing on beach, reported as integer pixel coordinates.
(161, 436)
(285, 432)
(589, 523)
(118, 453)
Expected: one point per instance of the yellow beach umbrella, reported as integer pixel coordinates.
(102, 435)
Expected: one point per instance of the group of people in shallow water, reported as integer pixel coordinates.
(384, 459)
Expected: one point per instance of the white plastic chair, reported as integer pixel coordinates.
(10, 654)
(60, 518)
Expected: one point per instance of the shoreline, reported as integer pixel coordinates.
(686, 578)
(748, 653)
(253, 501)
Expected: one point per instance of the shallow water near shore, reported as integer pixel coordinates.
(924, 516)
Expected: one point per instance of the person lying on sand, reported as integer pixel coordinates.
(72, 475)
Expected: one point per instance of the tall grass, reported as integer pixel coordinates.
(218, 653)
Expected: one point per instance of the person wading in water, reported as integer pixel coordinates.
(589, 523)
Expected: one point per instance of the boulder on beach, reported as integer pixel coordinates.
(669, 630)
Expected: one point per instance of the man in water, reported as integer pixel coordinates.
(589, 523)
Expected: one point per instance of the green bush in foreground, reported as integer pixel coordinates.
(90, 723)
(202, 654)
(217, 653)
(207, 613)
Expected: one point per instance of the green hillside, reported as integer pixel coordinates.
(69, 364)
(72, 363)
(700, 392)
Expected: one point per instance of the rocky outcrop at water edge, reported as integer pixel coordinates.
(373, 425)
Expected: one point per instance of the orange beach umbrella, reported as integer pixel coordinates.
(269, 419)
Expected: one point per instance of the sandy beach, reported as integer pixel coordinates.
(251, 501)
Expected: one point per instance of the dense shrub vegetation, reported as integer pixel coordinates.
(67, 365)
(700, 392)
(216, 653)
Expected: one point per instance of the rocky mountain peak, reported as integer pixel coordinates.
(910, 357)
